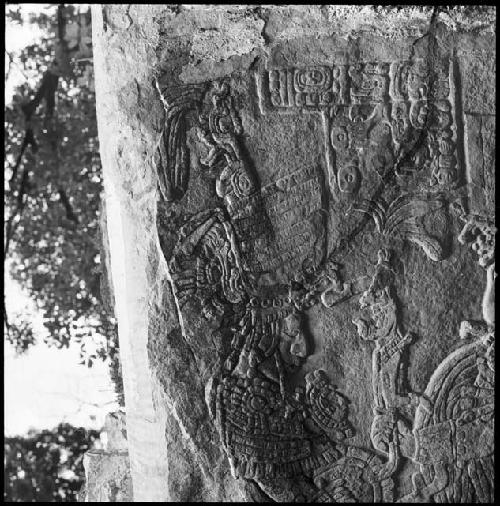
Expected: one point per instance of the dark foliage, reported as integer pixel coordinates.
(53, 182)
(46, 466)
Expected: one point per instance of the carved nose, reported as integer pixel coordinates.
(298, 349)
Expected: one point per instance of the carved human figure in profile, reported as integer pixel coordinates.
(272, 341)
(390, 396)
(454, 422)
(452, 437)
(262, 422)
(273, 431)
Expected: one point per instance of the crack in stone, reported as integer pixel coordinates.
(104, 19)
(459, 115)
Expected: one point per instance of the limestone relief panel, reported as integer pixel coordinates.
(307, 215)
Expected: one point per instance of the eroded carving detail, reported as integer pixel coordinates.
(206, 263)
(270, 432)
(263, 425)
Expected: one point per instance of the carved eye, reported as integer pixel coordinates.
(348, 179)
(339, 138)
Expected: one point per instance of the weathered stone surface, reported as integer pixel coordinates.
(107, 471)
(300, 207)
(107, 476)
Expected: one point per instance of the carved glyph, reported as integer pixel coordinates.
(377, 117)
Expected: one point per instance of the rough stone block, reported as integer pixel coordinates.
(107, 476)
(116, 431)
(107, 471)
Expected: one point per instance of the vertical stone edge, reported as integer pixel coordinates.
(145, 428)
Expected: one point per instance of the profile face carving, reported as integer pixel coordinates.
(378, 300)
(293, 342)
(382, 308)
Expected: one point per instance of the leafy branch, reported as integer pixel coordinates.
(46, 92)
